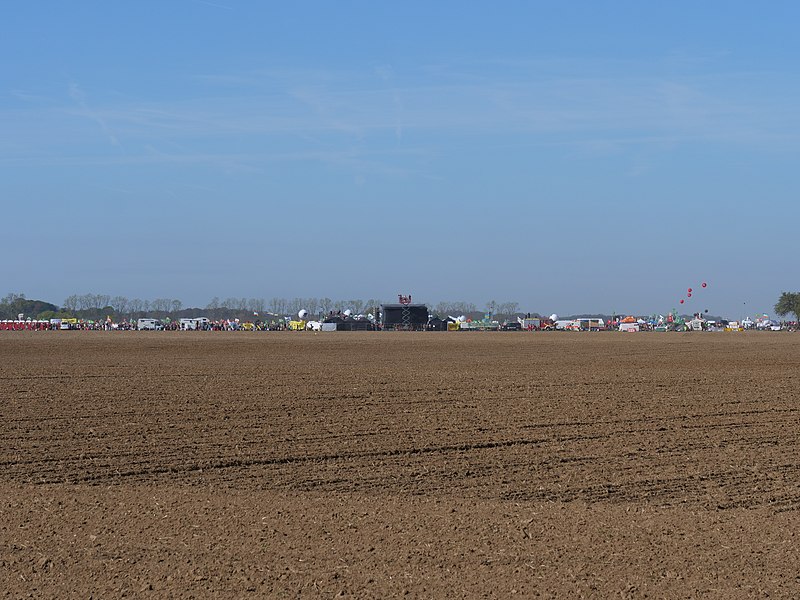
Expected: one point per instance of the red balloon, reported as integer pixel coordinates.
(689, 294)
(704, 284)
(689, 290)
(681, 300)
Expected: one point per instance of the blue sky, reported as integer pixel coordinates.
(572, 157)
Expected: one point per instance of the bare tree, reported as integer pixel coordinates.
(455, 308)
(462, 308)
(176, 306)
(507, 308)
(357, 306)
(161, 305)
(214, 304)
(277, 305)
(119, 303)
(295, 304)
(70, 303)
(325, 305)
(256, 305)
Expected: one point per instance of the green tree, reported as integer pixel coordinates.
(14, 304)
(788, 303)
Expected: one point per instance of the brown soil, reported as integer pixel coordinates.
(375, 465)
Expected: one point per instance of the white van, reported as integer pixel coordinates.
(186, 324)
(194, 323)
(149, 324)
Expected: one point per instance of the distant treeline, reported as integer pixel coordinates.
(13, 305)
(99, 306)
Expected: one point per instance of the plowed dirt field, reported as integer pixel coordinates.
(375, 465)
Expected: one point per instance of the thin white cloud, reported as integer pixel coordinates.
(318, 115)
(77, 94)
(386, 74)
(227, 162)
(29, 97)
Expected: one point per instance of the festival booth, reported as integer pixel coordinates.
(27, 325)
(629, 325)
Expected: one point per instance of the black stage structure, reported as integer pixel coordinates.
(404, 317)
